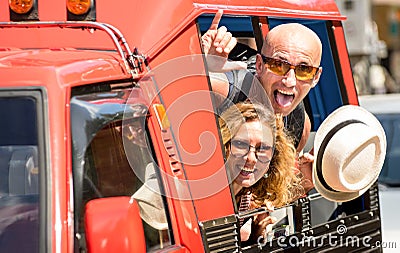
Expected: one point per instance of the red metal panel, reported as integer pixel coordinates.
(185, 92)
(307, 6)
(345, 63)
(183, 218)
(159, 22)
(189, 107)
(4, 14)
(37, 64)
(59, 173)
(50, 10)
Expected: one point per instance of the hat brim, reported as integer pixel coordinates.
(338, 196)
(343, 113)
(150, 201)
(151, 207)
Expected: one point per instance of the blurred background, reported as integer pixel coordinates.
(372, 31)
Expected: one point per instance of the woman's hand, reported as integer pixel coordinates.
(263, 223)
(261, 226)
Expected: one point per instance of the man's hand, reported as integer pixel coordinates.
(217, 44)
(218, 41)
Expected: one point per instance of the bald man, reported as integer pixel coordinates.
(292, 45)
(286, 69)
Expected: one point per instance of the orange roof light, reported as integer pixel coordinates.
(79, 7)
(21, 6)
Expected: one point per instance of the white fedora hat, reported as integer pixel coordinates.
(349, 149)
(150, 201)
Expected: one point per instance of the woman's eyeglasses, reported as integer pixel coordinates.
(281, 67)
(241, 148)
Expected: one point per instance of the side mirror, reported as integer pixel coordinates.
(114, 225)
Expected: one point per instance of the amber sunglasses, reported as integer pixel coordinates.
(281, 67)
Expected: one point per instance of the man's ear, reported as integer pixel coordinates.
(259, 65)
(316, 77)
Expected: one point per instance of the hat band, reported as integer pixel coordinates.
(322, 148)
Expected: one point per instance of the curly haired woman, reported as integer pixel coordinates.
(260, 162)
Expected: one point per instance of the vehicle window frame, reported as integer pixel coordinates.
(40, 97)
(98, 111)
(317, 108)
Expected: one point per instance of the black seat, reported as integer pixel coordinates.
(19, 199)
(23, 171)
(19, 173)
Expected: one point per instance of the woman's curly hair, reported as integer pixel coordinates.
(282, 184)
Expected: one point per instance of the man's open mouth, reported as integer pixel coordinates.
(283, 98)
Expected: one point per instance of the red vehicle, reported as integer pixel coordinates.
(90, 97)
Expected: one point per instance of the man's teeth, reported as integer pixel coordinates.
(286, 92)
